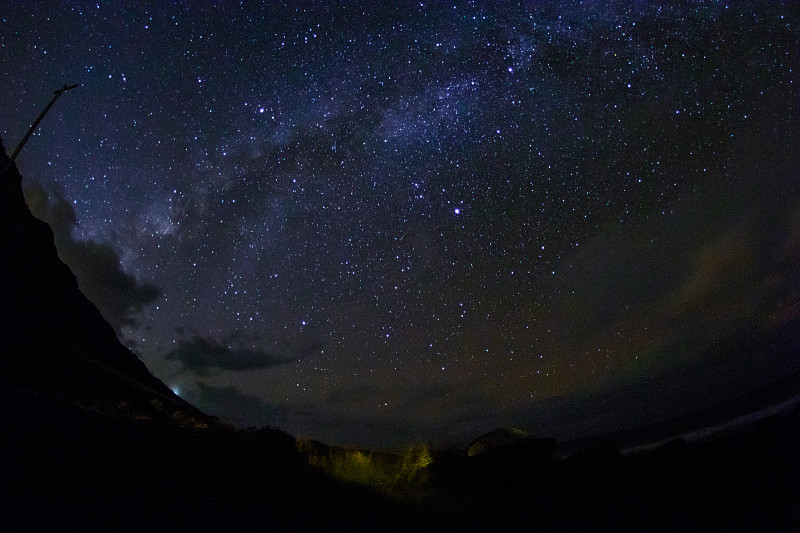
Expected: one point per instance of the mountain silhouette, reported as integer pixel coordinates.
(54, 340)
(90, 440)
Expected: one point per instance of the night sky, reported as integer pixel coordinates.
(384, 223)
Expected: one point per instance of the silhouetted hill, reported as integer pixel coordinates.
(54, 341)
(91, 441)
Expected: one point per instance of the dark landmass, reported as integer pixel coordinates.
(730, 417)
(91, 441)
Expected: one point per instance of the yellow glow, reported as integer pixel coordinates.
(393, 474)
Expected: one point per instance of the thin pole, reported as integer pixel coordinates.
(56, 94)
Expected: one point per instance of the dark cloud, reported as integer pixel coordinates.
(237, 407)
(469, 411)
(245, 410)
(413, 412)
(203, 353)
(117, 295)
(301, 346)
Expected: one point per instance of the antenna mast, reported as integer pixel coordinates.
(56, 94)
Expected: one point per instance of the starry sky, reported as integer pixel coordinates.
(379, 224)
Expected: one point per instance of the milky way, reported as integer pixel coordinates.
(380, 225)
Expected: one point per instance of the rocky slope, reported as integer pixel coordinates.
(53, 340)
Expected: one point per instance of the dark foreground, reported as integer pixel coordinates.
(71, 469)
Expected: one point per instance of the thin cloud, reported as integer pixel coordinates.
(203, 353)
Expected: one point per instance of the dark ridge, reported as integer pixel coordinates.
(90, 440)
(54, 340)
